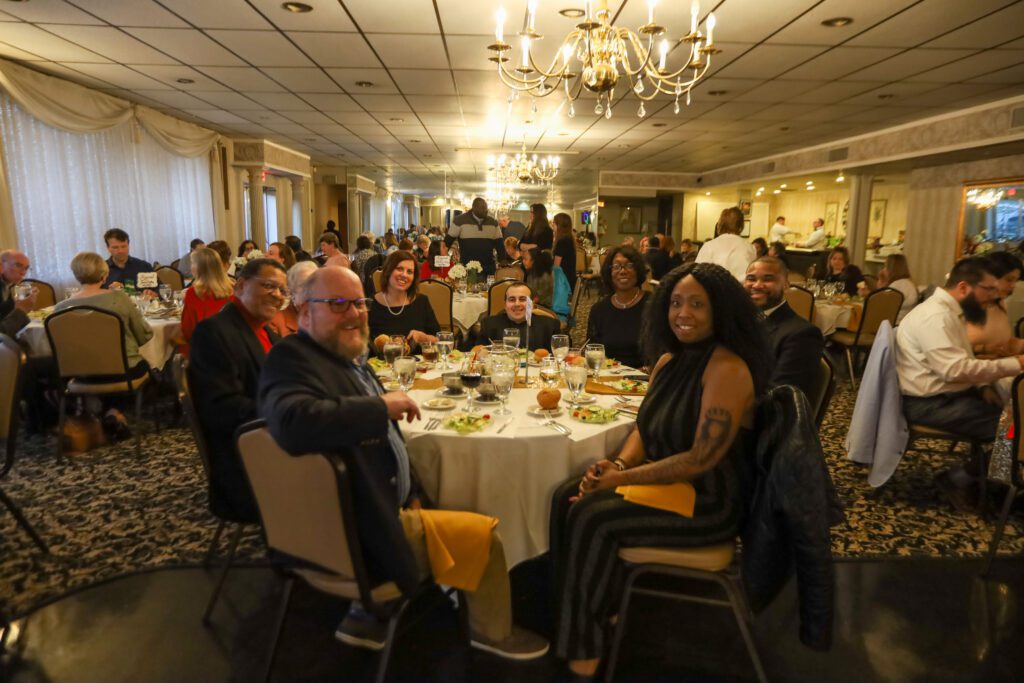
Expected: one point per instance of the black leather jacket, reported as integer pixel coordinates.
(793, 508)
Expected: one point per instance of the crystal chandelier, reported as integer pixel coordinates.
(500, 197)
(984, 199)
(524, 167)
(596, 55)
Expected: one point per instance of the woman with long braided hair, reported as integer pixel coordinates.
(711, 363)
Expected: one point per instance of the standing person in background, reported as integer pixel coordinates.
(687, 251)
(729, 250)
(245, 248)
(185, 263)
(675, 259)
(332, 228)
(779, 231)
(896, 274)
(657, 260)
(511, 228)
(539, 233)
(817, 239)
(210, 290)
(122, 266)
(478, 235)
(564, 251)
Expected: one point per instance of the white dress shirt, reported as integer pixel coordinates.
(778, 233)
(908, 289)
(934, 355)
(816, 240)
(732, 252)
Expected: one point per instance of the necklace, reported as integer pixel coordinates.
(629, 303)
(387, 304)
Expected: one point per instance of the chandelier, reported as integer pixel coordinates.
(500, 198)
(596, 55)
(524, 167)
(984, 199)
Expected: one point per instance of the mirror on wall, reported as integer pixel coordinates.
(991, 216)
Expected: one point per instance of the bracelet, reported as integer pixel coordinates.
(620, 464)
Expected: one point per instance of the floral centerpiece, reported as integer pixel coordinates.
(457, 272)
(473, 270)
(240, 261)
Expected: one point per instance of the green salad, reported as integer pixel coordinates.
(378, 365)
(467, 423)
(630, 386)
(595, 414)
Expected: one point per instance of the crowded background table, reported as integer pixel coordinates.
(157, 351)
(466, 308)
(831, 317)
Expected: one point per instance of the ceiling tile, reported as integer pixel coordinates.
(130, 12)
(330, 103)
(374, 16)
(327, 15)
(281, 101)
(302, 80)
(925, 21)
(780, 112)
(908, 64)
(767, 61)
(424, 81)
(973, 66)
(245, 79)
(174, 98)
(1012, 75)
(70, 72)
(808, 30)
(111, 43)
(381, 102)
(187, 45)
(950, 93)
(171, 74)
(235, 14)
(261, 48)
(121, 76)
(840, 61)
(900, 91)
(336, 49)
(777, 91)
(996, 28)
(46, 45)
(14, 53)
(837, 91)
(382, 84)
(52, 11)
(229, 100)
(308, 117)
(410, 50)
(470, 52)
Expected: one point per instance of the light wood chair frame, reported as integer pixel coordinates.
(496, 306)
(801, 292)
(171, 277)
(865, 322)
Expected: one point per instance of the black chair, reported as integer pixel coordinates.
(824, 387)
(1016, 473)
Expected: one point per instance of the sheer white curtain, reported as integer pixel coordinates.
(68, 188)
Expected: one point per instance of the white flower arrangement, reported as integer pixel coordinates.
(240, 261)
(457, 272)
(475, 265)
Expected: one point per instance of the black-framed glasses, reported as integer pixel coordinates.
(341, 306)
(616, 267)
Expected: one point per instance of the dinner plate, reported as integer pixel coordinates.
(487, 401)
(536, 411)
(444, 393)
(595, 416)
(392, 386)
(585, 399)
(439, 404)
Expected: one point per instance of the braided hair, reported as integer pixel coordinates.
(736, 323)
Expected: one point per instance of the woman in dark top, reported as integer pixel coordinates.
(695, 425)
(841, 270)
(615, 320)
(778, 250)
(565, 247)
(760, 247)
(396, 309)
(539, 233)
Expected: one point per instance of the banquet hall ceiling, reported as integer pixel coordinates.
(436, 106)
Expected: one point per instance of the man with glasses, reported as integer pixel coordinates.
(226, 357)
(942, 383)
(541, 327)
(13, 312)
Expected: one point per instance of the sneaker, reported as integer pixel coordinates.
(362, 630)
(521, 645)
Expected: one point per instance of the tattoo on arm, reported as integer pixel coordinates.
(713, 436)
(713, 439)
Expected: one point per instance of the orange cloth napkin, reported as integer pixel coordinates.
(458, 545)
(679, 498)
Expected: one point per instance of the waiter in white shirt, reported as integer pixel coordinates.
(817, 238)
(778, 231)
(729, 250)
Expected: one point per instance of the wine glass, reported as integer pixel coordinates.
(575, 380)
(22, 291)
(594, 353)
(510, 337)
(559, 346)
(393, 348)
(470, 376)
(405, 371)
(165, 293)
(445, 344)
(549, 374)
(503, 377)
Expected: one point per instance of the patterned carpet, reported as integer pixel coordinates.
(109, 513)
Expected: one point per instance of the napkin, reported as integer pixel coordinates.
(679, 498)
(458, 545)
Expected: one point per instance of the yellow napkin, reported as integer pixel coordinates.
(458, 545)
(679, 498)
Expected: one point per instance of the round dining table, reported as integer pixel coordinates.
(157, 351)
(466, 309)
(831, 317)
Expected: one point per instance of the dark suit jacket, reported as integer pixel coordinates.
(540, 330)
(313, 402)
(11, 319)
(659, 263)
(796, 345)
(225, 360)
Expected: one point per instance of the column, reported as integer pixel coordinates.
(299, 193)
(259, 229)
(859, 216)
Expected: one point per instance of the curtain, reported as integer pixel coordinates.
(68, 188)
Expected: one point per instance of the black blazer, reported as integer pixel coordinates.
(796, 346)
(659, 263)
(225, 360)
(541, 330)
(314, 403)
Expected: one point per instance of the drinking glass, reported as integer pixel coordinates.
(71, 291)
(165, 293)
(510, 337)
(129, 287)
(462, 288)
(429, 351)
(405, 371)
(575, 380)
(594, 353)
(503, 377)
(393, 348)
(470, 376)
(22, 291)
(559, 346)
(445, 344)
(549, 374)
(490, 281)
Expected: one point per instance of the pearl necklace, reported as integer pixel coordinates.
(630, 302)
(387, 304)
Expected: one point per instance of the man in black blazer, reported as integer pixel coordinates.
(797, 345)
(657, 260)
(318, 396)
(226, 355)
(542, 327)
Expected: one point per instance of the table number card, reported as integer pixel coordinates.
(442, 261)
(146, 280)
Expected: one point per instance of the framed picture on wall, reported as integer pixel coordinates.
(746, 228)
(876, 217)
(631, 220)
(745, 208)
(831, 216)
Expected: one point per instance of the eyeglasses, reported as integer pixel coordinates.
(616, 267)
(341, 306)
(269, 286)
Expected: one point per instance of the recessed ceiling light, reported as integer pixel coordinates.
(760, 189)
(886, 96)
(783, 128)
(840, 178)
(396, 120)
(717, 93)
(414, 141)
(572, 13)
(776, 191)
(707, 194)
(809, 182)
(783, 186)
(836, 22)
(364, 84)
(185, 81)
(427, 156)
(297, 7)
(660, 125)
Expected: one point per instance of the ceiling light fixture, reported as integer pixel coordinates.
(707, 194)
(837, 22)
(572, 13)
(596, 55)
(396, 120)
(183, 81)
(809, 182)
(717, 93)
(776, 191)
(365, 84)
(886, 96)
(840, 178)
(297, 7)
(782, 186)
(760, 189)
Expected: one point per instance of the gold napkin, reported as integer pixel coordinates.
(679, 498)
(458, 545)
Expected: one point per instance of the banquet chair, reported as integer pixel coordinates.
(797, 278)
(574, 302)
(881, 304)
(710, 564)
(170, 277)
(309, 521)
(1018, 329)
(590, 278)
(1016, 473)
(89, 342)
(824, 387)
(47, 295)
(375, 278)
(581, 260)
(496, 295)
(175, 263)
(440, 295)
(509, 273)
(12, 366)
(801, 300)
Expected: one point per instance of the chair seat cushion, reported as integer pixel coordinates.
(710, 558)
(347, 588)
(847, 338)
(79, 387)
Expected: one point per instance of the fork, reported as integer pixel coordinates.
(557, 426)
(432, 424)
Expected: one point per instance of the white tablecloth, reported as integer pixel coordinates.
(466, 309)
(829, 317)
(511, 475)
(157, 351)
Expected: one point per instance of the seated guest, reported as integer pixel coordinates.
(286, 322)
(841, 270)
(675, 259)
(185, 263)
(422, 248)
(14, 267)
(330, 247)
(760, 247)
(896, 274)
(513, 257)
(942, 383)
(123, 266)
(687, 251)
(405, 244)
(91, 272)
(227, 353)
(615, 320)
(542, 327)
(224, 251)
(396, 309)
(547, 281)
(246, 248)
(696, 426)
(795, 343)
(778, 250)
(657, 260)
(564, 252)
(390, 243)
(427, 268)
(294, 242)
(281, 253)
(364, 252)
(318, 398)
(729, 249)
(995, 336)
(209, 292)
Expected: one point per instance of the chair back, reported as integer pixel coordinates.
(496, 296)
(797, 278)
(12, 360)
(1018, 329)
(801, 301)
(547, 312)
(175, 263)
(87, 341)
(574, 302)
(375, 276)
(179, 370)
(581, 259)
(440, 295)
(824, 387)
(882, 304)
(870, 280)
(304, 502)
(509, 273)
(47, 295)
(170, 277)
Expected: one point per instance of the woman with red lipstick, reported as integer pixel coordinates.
(396, 309)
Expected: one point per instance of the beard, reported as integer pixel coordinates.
(332, 341)
(772, 300)
(974, 312)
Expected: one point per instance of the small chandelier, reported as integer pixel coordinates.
(524, 167)
(984, 199)
(596, 55)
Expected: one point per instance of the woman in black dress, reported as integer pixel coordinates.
(396, 309)
(564, 252)
(538, 234)
(695, 425)
(841, 270)
(615, 320)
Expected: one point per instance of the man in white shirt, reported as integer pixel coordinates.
(779, 231)
(729, 250)
(817, 238)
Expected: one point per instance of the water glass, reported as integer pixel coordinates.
(393, 348)
(445, 344)
(559, 346)
(490, 281)
(575, 380)
(549, 374)
(462, 288)
(594, 353)
(405, 371)
(165, 293)
(503, 378)
(510, 337)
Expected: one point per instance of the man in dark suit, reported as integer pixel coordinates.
(225, 359)
(797, 345)
(542, 327)
(657, 259)
(318, 396)
(13, 313)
